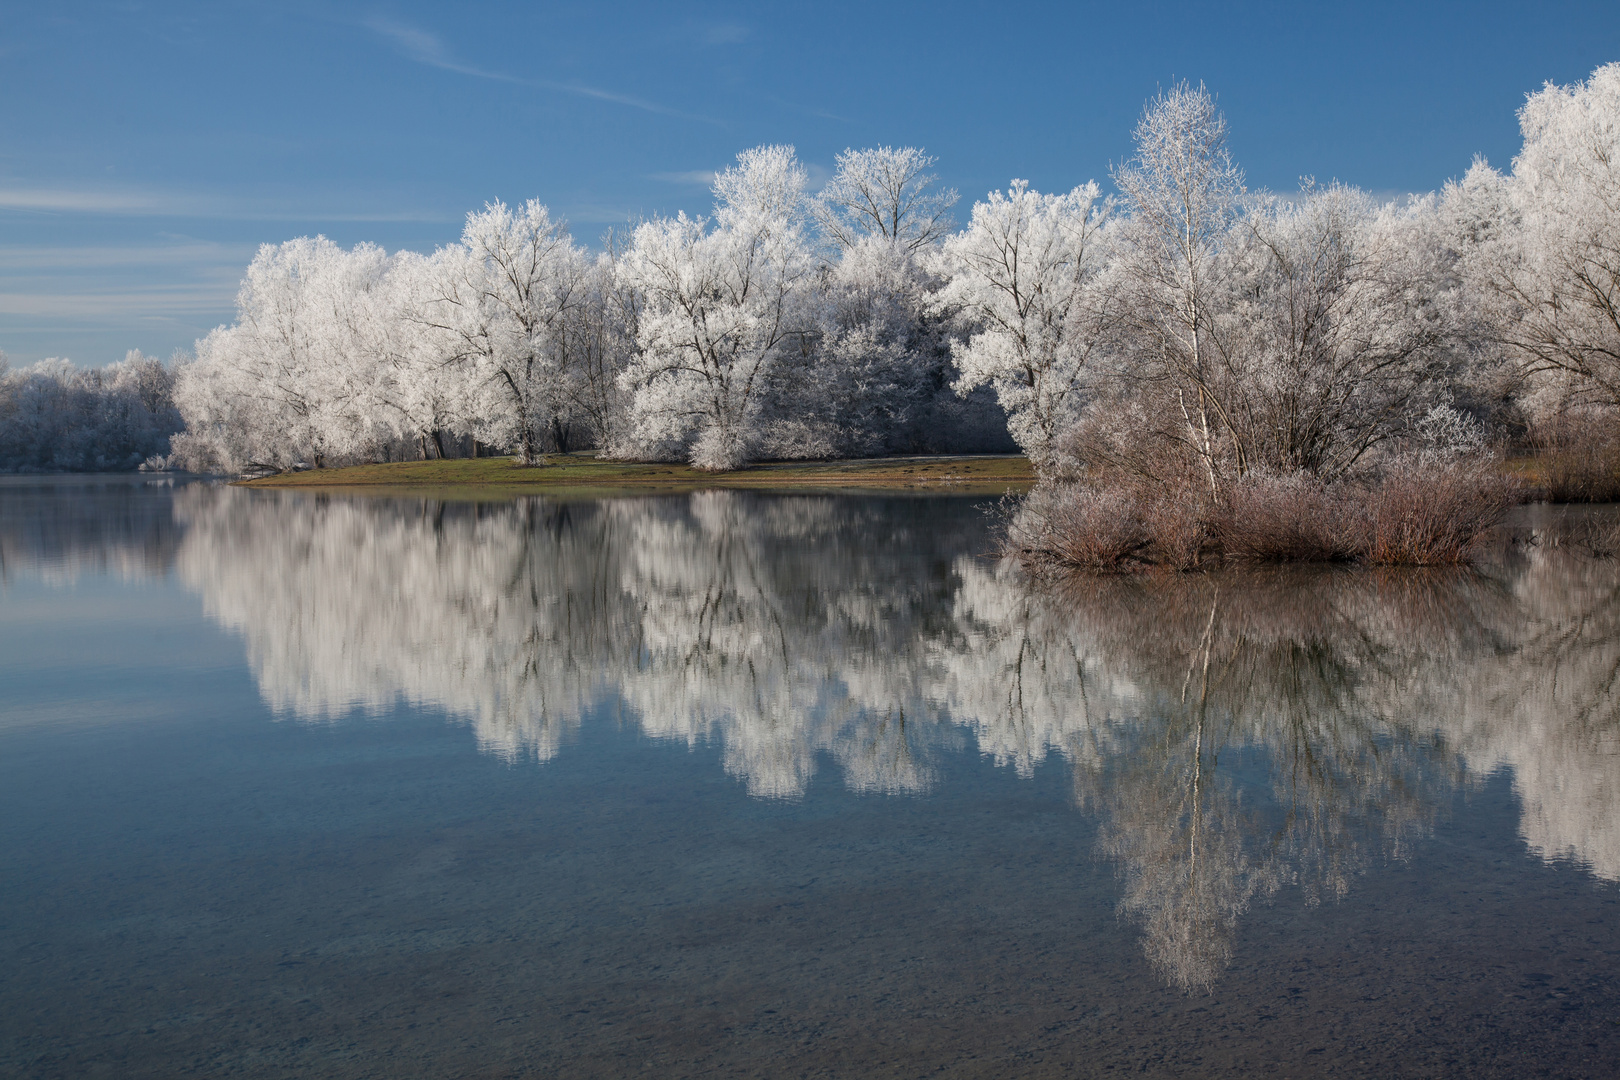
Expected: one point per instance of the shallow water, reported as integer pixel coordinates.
(746, 785)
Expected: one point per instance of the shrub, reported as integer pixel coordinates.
(1423, 511)
(1578, 452)
(1072, 525)
(1434, 514)
(1292, 518)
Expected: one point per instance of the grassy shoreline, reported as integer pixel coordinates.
(965, 474)
(968, 473)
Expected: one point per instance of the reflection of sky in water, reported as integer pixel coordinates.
(1228, 741)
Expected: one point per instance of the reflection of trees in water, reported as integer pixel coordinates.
(508, 615)
(1259, 753)
(1234, 734)
(779, 628)
(1363, 699)
(785, 627)
(60, 528)
(1549, 709)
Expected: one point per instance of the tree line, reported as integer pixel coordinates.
(1185, 329)
(751, 333)
(55, 417)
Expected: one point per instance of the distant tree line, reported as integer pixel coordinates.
(55, 417)
(1184, 330)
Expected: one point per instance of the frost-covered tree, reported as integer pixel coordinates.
(885, 193)
(883, 358)
(1246, 331)
(506, 293)
(880, 378)
(1182, 194)
(303, 374)
(1546, 254)
(1337, 332)
(1020, 273)
(723, 309)
(434, 396)
(605, 325)
(55, 417)
(1188, 331)
(340, 356)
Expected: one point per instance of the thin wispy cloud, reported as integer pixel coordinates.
(628, 100)
(810, 110)
(94, 301)
(65, 290)
(703, 177)
(425, 47)
(65, 309)
(32, 261)
(59, 200)
(124, 202)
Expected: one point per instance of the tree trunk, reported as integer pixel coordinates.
(531, 453)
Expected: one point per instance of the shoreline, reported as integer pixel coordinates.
(581, 473)
(969, 474)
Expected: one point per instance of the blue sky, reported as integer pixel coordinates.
(146, 150)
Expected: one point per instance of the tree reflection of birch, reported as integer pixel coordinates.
(1267, 681)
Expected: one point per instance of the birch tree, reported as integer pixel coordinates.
(1182, 192)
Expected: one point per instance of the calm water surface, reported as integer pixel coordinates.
(747, 785)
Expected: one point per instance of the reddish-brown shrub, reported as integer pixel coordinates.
(1434, 514)
(1178, 519)
(1072, 525)
(1420, 513)
(1292, 518)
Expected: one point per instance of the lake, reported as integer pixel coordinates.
(737, 784)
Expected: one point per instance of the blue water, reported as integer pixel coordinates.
(748, 785)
